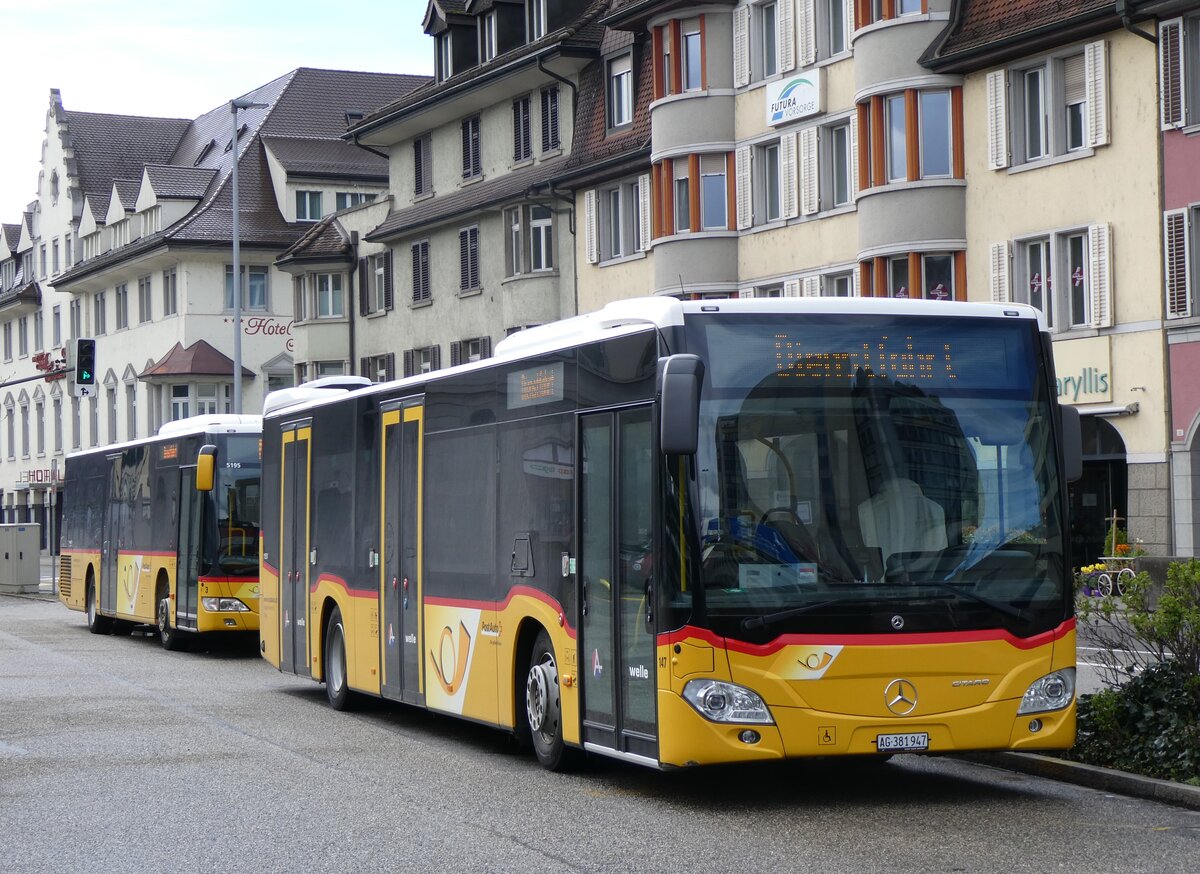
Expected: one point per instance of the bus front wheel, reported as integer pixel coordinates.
(172, 638)
(543, 706)
(337, 690)
(96, 623)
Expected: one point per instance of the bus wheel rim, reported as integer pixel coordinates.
(336, 660)
(537, 695)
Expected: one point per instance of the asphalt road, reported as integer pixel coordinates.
(116, 755)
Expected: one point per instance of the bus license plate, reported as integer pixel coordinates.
(902, 743)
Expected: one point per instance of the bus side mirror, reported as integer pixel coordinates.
(679, 381)
(206, 463)
(1072, 438)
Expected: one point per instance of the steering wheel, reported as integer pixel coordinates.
(788, 510)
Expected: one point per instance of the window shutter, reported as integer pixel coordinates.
(786, 28)
(364, 302)
(466, 148)
(806, 27)
(387, 280)
(455, 353)
(418, 167)
(1095, 64)
(1172, 91)
(643, 212)
(389, 371)
(812, 286)
(997, 119)
(550, 119)
(809, 200)
(787, 176)
(409, 361)
(853, 155)
(364, 368)
(1100, 268)
(464, 269)
(1001, 292)
(745, 200)
(435, 357)
(848, 6)
(741, 46)
(485, 347)
(855, 283)
(516, 112)
(590, 237)
(791, 288)
(1178, 266)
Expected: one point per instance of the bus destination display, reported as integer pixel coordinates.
(888, 356)
(535, 385)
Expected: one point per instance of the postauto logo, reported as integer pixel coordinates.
(789, 102)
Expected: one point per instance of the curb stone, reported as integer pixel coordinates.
(1118, 782)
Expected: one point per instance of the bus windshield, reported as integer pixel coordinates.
(236, 496)
(863, 474)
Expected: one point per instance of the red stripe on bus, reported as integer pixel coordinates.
(270, 568)
(921, 639)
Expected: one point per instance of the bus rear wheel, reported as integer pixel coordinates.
(543, 707)
(96, 623)
(337, 689)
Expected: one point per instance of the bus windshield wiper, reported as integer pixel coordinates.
(752, 622)
(998, 606)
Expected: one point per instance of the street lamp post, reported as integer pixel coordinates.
(234, 106)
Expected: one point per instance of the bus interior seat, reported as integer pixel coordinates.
(898, 518)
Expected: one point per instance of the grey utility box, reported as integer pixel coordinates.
(20, 558)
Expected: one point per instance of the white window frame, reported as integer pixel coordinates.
(306, 200)
(1094, 276)
(249, 304)
(541, 238)
(620, 90)
(924, 133)
(535, 19)
(329, 291)
(707, 171)
(692, 45)
(487, 37)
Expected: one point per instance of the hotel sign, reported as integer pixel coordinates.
(794, 97)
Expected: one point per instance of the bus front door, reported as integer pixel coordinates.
(399, 579)
(293, 548)
(616, 569)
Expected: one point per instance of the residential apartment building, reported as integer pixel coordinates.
(130, 242)
(479, 238)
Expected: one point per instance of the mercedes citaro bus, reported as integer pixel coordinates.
(682, 533)
(163, 530)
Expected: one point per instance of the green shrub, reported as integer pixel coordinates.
(1109, 545)
(1149, 726)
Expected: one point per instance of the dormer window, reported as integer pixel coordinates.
(443, 62)
(536, 11)
(151, 221)
(487, 37)
(120, 233)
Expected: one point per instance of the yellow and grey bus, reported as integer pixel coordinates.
(163, 531)
(681, 533)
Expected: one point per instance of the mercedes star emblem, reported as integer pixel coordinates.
(900, 696)
(897, 622)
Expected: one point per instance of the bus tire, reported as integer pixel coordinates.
(172, 639)
(337, 689)
(543, 707)
(96, 623)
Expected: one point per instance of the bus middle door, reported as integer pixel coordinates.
(618, 645)
(293, 547)
(400, 493)
(111, 539)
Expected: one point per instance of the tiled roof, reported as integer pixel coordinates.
(12, 235)
(328, 158)
(467, 199)
(199, 359)
(593, 142)
(305, 102)
(189, 183)
(128, 191)
(109, 147)
(322, 240)
(584, 31)
(977, 25)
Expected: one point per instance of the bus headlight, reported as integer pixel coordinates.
(224, 605)
(725, 702)
(1052, 692)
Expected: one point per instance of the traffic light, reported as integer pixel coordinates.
(85, 367)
